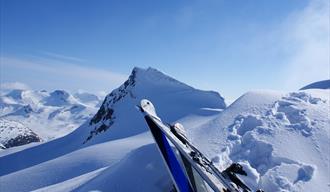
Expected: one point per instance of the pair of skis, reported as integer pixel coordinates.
(197, 170)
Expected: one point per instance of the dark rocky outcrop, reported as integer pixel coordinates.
(14, 134)
(104, 117)
(22, 140)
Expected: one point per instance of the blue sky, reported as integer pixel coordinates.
(230, 46)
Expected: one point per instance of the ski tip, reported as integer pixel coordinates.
(147, 107)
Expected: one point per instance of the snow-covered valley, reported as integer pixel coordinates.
(281, 139)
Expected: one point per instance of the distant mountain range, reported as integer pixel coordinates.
(46, 115)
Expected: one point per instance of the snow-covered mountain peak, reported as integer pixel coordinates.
(20, 96)
(105, 112)
(152, 75)
(59, 98)
(161, 89)
(15, 94)
(24, 111)
(17, 98)
(142, 77)
(60, 93)
(15, 134)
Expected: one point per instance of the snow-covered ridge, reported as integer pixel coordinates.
(105, 113)
(318, 85)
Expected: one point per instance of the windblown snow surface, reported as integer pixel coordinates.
(281, 139)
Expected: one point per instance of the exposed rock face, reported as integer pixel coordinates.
(22, 140)
(15, 134)
(104, 118)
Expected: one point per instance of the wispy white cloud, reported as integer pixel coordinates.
(306, 41)
(62, 57)
(14, 85)
(46, 73)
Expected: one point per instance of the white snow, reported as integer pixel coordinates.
(69, 165)
(281, 139)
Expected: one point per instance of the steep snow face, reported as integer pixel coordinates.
(118, 118)
(15, 134)
(318, 85)
(282, 140)
(49, 115)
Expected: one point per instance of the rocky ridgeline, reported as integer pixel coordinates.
(104, 118)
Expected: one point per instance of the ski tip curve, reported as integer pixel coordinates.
(147, 107)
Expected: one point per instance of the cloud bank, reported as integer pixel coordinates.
(50, 73)
(13, 85)
(306, 42)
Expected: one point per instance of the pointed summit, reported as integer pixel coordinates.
(153, 76)
(176, 98)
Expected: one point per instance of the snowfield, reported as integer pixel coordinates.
(281, 139)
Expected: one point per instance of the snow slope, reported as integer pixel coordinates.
(281, 139)
(107, 156)
(325, 84)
